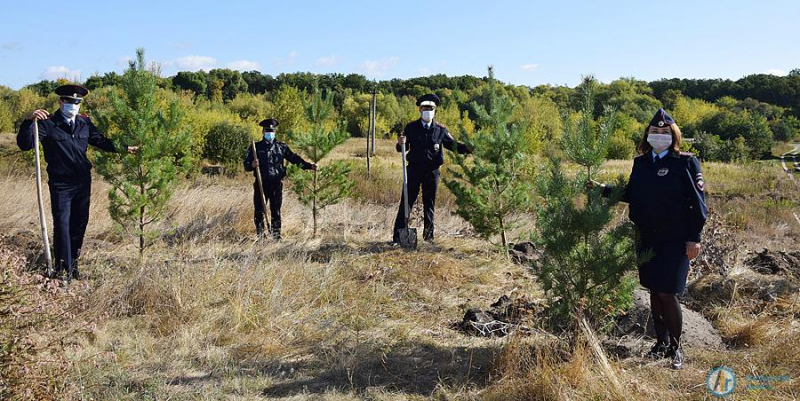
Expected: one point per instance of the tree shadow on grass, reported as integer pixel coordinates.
(409, 368)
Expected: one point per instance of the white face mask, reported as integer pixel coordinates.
(659, 142)
(427, 115)
(70, 110)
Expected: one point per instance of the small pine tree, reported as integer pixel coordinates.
(142, 184)
(585, 256)
(491, 186)
(331, 183)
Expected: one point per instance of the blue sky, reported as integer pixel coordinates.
(528, 42)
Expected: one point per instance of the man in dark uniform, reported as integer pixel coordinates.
(65, 136)
(271, 154)
(424, 140)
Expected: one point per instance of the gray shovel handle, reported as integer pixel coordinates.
(405, 184)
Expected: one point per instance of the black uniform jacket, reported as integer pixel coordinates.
(424, 146)
(270, 160)
(666, 198)
(65, 149)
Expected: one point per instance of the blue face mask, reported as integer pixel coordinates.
(269, 136)
(70, 110)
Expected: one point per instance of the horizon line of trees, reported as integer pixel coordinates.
(728, 120)
(783, 91)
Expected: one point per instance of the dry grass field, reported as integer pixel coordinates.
(211, 314)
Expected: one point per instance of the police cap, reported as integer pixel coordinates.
(269, 124)
(661, 119)
(428, 100)
(74, 92)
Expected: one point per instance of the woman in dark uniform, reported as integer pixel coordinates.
(667, 206)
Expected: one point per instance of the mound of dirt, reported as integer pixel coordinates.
(524, 253)
(503, 317)
(720, 248)
(742, 284)
(28, 245)
(779, 263)
(631, 327)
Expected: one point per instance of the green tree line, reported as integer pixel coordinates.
(726, 120)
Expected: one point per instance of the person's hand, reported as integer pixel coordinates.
(401, 140)
(133, 149)
(314, 167)
(254, 163)
(591, 184)
(693, 249)
(39, 114)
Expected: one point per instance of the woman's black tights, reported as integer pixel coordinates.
(667, 318)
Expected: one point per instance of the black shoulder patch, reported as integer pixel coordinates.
(440, 125)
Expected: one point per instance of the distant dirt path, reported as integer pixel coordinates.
(792, 154)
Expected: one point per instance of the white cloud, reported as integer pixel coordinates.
(286, 62)
(775, 71)
(328, 61)
(191, 63)
(378, 68)
(244, 65)
(423, 72)
(124, 61)
(56, 72)
(529, 67)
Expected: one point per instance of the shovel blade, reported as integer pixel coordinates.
(407, 238)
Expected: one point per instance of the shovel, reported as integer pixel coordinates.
(406, 235)
(42, 220)
(261, 189)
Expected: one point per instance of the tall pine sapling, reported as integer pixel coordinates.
(585, 255)
(142, 184)
(491, 186)
(330, 183)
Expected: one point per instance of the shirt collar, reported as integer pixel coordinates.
(65, 119)
(660, 155)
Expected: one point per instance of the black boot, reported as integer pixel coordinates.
(427, 234)
(59, 268)
(258, 220)
(676, 353)
(658, 351)
(76, 275)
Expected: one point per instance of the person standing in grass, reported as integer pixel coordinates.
(65, 136)
(424, 140)
(666, 198)
(269, 161)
